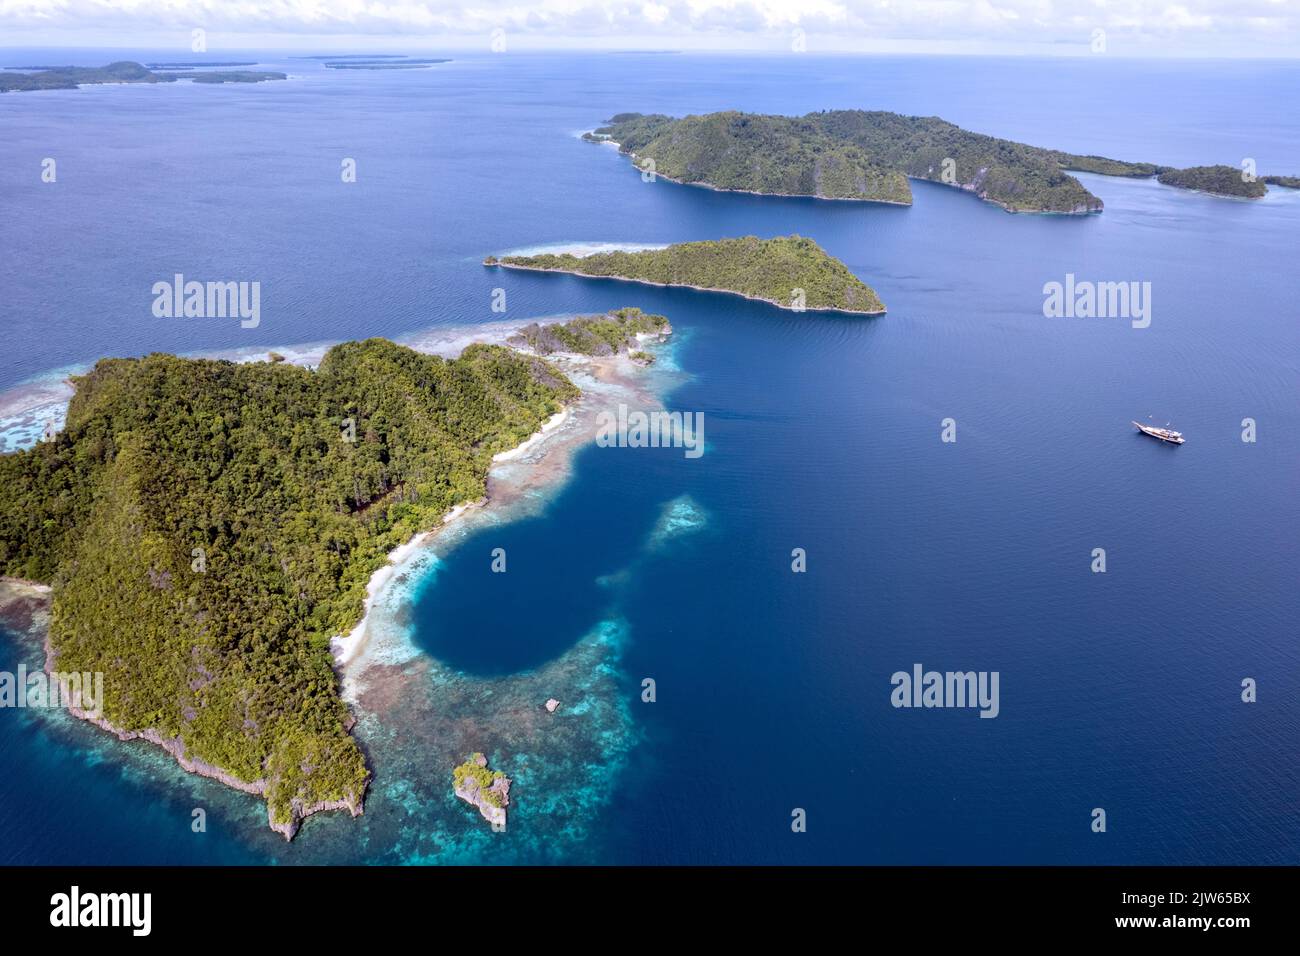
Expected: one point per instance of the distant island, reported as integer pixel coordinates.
(1216, 180)
(124, 71)
(610, 334)
(387, 64)
(870, 155)
(352, 56)
(855, 154)
(372, 61)
(791, 272)
(197, 64)
(208, 526)
(1287, 182)
(488, 790)
(227, 76)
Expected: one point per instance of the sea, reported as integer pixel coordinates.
(946, 475)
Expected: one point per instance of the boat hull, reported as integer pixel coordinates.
(1172, 438)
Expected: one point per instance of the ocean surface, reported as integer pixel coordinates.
(1119, 691)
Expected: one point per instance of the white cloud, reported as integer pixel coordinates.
(1202, 26)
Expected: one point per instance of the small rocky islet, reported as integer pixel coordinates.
(615, 332)
(481, 787)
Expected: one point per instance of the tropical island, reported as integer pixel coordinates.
(1215, 180)
(208, 526)
(869, 156)
(372, 61)
(856, 154)
(124, 71)
(386, 64)
(489, 790)
(597, 335)
(168, 66)
(790, 272)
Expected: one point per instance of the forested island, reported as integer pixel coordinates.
(124, 71)
(208, 526)
(791, 272)
(1217, 180)
(597, 335)
(372, 61)
(856, 154)
(197, 64)
(774, 155)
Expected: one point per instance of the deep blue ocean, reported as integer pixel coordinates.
(1119, 691)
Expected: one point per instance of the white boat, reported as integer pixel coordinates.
(1164, 434)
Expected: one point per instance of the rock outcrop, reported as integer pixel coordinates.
(489, 790)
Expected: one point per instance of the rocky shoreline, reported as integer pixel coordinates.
(28, 601)
(973, 189)
(176, 747)
(480, 787)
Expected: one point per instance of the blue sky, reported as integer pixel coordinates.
(1215, 28)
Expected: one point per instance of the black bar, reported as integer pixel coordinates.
(545, 907)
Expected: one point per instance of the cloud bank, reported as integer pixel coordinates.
(1200, 27)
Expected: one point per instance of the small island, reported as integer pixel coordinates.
(372, 61)
(489, 790)
(1219, 180)
(790, 272)
(208, 526)
(352, 56)
(385, 64)
(597, 335)
(1287, 182)
(124, 71)
(197, 64)
(856, 154)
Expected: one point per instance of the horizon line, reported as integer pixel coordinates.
(758, 51)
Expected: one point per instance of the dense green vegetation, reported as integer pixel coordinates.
(1290, 182)
(770, 269)
(763, 154)
(1106, 167)
(227, 76)
(475, 770)
(208, 526)
(606, 334)
(858, 154)
(124, 71)
(1219, 180)
(196, 64)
